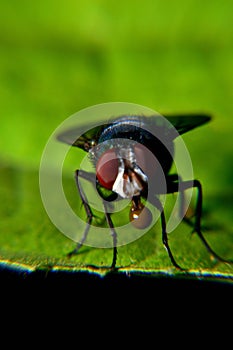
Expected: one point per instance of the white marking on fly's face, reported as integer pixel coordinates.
(130, 180)
(142, 175)
(125, 186)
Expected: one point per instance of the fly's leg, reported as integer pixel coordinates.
(114, 236)
(182, 186)
(90, 177)
(176, 179)
(197, 224)
(155, 201)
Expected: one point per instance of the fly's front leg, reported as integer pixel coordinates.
(114, 236)
(90, 177)
(155, 201)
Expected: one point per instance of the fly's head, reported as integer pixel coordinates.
(125, 169)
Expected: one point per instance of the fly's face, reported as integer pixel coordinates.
(118, 169)
(125, 167)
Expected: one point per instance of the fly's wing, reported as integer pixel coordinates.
(184, 123)
(84, 137)
(166, 126)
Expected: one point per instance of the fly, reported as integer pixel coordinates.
(124, 169)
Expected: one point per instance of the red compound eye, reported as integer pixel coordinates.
(146, 160)
(107, 168)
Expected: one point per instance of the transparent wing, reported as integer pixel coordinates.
(186, 122)
(85, 136)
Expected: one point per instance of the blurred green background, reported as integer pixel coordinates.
(58, 57)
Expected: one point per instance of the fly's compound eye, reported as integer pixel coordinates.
(107, 169)
(145, 160)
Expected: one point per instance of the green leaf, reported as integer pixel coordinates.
(30, 242)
